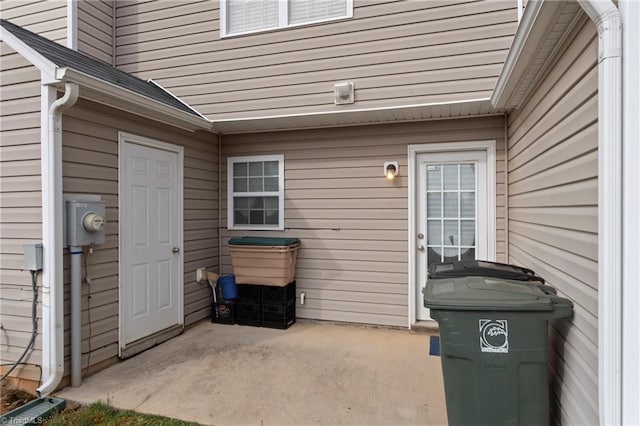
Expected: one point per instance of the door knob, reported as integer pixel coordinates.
(176, 250)
(420, 247)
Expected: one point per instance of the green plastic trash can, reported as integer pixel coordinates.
(493, 336)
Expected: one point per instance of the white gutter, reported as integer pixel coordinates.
(52, 282)
(606, 16)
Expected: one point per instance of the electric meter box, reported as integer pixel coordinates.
(85, 222)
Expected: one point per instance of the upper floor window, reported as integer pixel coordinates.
(247, 16)
(255, 187)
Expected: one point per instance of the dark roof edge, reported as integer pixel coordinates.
(195, 111)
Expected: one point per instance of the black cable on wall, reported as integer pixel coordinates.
(34, 322)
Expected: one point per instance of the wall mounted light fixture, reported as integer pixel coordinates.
(391, 169)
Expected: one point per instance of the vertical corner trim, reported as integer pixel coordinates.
(72, 24)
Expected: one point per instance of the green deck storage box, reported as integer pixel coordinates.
(494, 348)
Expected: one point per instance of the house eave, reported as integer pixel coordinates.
(356, 117)
(541, 33)
(120, 98)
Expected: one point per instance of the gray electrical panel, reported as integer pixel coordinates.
(85, 222)
(32, 257)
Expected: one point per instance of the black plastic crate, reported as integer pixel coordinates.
(279, 316)
(281, 322)
(278, 309)
(249, 314)
(224, 312)
(278, 295)
(250, 293)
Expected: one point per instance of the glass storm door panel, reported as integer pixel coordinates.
(451, 221)
(451, 212)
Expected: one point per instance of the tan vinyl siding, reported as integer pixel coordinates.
(20, 204)
(45, 17)
(90, 152)
(353, 223)
(553, 220)
(396, 53)
(95, 29)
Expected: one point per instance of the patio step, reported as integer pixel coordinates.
(33, 412)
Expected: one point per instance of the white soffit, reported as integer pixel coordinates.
(543, 29)
(356, 117)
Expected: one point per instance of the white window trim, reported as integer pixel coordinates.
(283, 18)
(230, 192)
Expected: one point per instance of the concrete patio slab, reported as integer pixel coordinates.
(311, 374)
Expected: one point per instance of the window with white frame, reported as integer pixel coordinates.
(255, 187)
(246, 16)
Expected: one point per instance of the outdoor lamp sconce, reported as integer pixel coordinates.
(391, 170)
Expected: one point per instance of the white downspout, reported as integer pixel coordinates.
(52, 283)
(630, 12)
(606, 16)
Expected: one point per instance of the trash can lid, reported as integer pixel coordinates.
(487, 294)
(263, 241)
(482, 268)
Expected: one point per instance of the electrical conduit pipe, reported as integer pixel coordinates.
(76, 321)
(52, 286)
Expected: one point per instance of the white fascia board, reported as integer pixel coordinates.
(526, 42)
(46, 67)
(154, 109)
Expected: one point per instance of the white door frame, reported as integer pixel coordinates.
(151, 143)
(489, 146)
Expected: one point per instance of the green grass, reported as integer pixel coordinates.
(100, 413)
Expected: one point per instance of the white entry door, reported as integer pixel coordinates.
(150, 223)
(452, 220)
